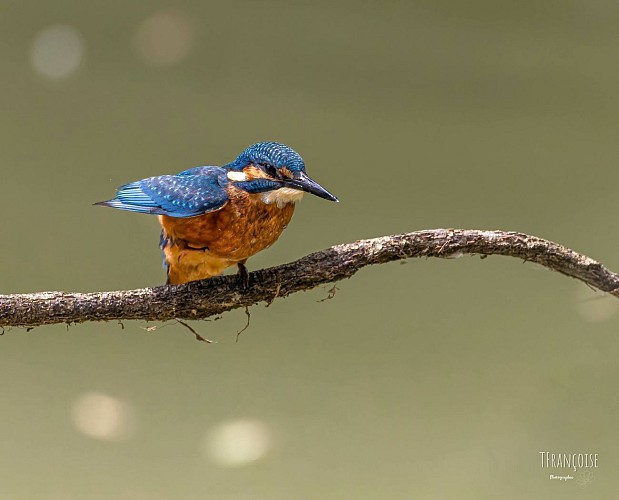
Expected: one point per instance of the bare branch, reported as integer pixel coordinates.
(203, 299)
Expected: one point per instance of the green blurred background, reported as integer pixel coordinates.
(435, 379)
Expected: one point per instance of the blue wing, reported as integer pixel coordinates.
(192, 193)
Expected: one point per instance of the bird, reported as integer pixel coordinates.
(215, 217)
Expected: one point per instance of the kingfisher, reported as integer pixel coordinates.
(213, 218)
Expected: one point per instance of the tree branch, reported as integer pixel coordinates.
(203, 299)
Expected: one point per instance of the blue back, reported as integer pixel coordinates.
(182, 195)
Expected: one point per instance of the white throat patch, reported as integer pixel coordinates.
(281, 196)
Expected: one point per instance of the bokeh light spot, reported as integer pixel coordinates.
(164, 38)
(57, 52)
(103, 417)
(238, 442)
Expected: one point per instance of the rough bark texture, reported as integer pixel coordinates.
(203, 299)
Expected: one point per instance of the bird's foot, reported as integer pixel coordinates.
(243, 275)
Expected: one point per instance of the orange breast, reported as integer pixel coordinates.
(205, 245)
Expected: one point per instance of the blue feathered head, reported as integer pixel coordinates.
(269, 166)
(269, 154)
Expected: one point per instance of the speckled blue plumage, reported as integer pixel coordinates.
(175, 195)
(201, 190)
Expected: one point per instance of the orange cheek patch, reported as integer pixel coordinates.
(254, 173)
(286, 173)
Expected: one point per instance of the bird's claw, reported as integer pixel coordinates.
(243, 276)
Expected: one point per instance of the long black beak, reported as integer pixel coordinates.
(303, 183)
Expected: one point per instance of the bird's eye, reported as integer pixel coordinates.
(271, 170)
